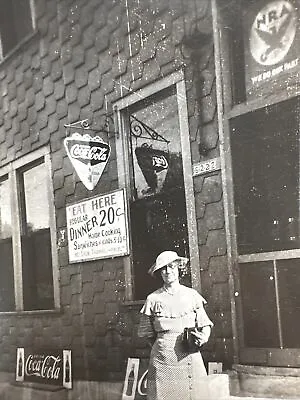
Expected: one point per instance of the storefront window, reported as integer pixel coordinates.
(265, 155)
(273, 322)
(6, 270)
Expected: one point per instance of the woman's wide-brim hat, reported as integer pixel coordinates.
(165, 258)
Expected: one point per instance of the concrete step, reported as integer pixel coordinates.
(265, 382)
(254, 398)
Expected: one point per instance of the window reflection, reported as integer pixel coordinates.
(36, 200)
(36, 240)
(155, 147)
(260, 317)
(7, 302)
(15, 23)
(5, 210)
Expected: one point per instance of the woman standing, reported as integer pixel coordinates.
(174, 371)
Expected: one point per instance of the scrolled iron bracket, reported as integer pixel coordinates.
(82, 124)
(85, 125)
(139, 129)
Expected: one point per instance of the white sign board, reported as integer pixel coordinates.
(135, 383)
(215, 368)
(204, 167)
(98, 227)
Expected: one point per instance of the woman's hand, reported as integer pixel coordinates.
(202, 336)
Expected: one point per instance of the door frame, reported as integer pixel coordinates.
(176, 79)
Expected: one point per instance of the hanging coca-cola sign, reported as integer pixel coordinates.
(89, 156)
(46, 366)
(271, 37)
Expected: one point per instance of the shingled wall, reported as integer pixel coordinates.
(85, 55)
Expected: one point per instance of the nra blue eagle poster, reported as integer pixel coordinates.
(271, 42)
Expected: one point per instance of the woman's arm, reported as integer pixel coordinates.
(146, 329)
(202, 335)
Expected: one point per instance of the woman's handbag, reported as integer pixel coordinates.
(189, 340)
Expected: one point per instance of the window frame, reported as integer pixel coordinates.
(11, 171)
(32, 11)
(123, 161)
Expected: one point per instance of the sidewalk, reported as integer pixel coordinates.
(248, 397)
(261, 398)
(86, 391)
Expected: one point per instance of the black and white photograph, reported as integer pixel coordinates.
(150, 200)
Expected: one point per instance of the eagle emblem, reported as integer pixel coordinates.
(273, 32)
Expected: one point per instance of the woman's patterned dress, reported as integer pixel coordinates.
(173, 374)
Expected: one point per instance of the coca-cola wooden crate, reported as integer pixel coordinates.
(46, 366)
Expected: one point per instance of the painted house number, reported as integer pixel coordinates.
(206, 166)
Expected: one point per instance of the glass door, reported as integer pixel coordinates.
(158, 203)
